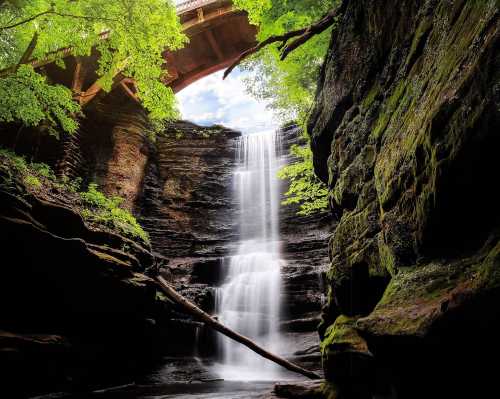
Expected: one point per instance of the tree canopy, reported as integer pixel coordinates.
(287, 85)
(136, 34)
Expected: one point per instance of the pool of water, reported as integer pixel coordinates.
(181, 378)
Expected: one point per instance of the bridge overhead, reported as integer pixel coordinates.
(217, 34)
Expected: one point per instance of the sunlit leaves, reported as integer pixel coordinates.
(26, 96)
(289, 86)
(255, 8)
(305, 188)
(137, 33)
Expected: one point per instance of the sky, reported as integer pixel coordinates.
(212, 100)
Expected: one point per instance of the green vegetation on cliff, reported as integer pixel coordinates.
(305, 188)
(105, 210)
(94, 206)
(130, 37)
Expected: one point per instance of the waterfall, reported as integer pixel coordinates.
(249, 299)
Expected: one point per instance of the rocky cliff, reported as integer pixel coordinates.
(405, 133)
(186, 205)
(76, 306)
(87, 303)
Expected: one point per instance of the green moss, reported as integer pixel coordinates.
(371, 96)
(388, 110)
(422, 30)
(386, 256)
(32, 181)
(106, 210)
(339, 333)
(329, 390)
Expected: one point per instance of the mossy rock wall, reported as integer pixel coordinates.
(405, 131)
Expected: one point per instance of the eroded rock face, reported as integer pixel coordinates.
(75, 304)
(405, 132)
(115, 146)
(186, 202)
(186, 206)
(92, 283)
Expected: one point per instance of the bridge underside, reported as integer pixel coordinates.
(217, 37)
(217, 34)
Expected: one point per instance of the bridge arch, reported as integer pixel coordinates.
(218, 34)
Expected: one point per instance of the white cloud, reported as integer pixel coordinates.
(213, 100)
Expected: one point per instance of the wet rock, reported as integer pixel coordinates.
(40, 357)
(404, 131)
(344, 352)
(306, 389)
(305, 250)
(186, 203)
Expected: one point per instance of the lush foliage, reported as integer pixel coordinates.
(136, 32)
(27, 97)
(92, 204)
(288, 86)
(107, 210)
(305, 188)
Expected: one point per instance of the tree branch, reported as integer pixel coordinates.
(301, 35)
(195, 311)
(32, 18)
(29, 51)
(60, 14)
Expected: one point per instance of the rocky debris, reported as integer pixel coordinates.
(405, 132)
(297, 390)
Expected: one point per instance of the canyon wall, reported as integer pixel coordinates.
(405, 131)
(305, 250)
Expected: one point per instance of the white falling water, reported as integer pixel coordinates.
(249, 300)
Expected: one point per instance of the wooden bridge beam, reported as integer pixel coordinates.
(214, 45)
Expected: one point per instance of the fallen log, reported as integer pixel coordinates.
(195, 311)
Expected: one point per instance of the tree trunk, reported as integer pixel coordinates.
(211, 322)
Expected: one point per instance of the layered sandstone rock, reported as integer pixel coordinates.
(405, 132)
(188, 207)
